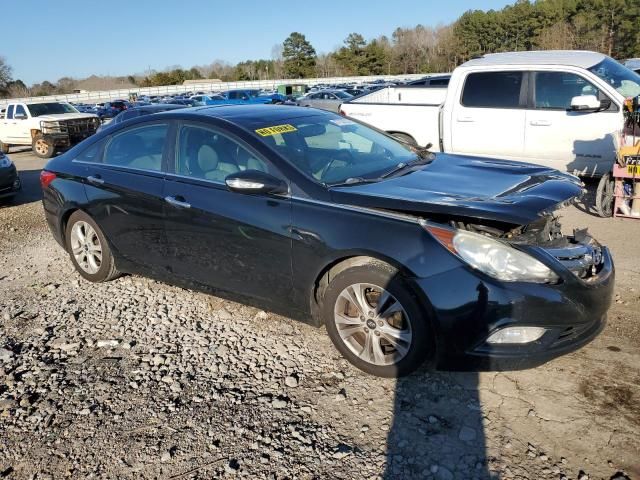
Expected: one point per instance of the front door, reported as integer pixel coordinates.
(488, 119)
(578, 142)
(125, 192)
(231, 241)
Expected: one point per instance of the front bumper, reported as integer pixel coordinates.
(10, 183)
(467, 308)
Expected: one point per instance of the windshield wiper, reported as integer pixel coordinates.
(423, 158)
(353, 181)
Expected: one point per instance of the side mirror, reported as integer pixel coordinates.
(255, 181)
(20, 116)
(585, 103)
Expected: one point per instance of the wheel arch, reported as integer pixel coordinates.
(341, 262)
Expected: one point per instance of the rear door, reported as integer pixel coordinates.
(555, 136)
(231, 241)
(488, 118)
(125, 192)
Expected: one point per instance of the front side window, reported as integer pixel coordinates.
(492, 90)
(207, 154)
(554, 90)
(20, 111)
(139, 148)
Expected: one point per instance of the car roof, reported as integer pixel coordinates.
(159, 107)
(577, 58)
(249, 115)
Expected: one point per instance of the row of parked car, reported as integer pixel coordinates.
(325, 96)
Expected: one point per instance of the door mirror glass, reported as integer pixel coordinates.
(585, 103)
(255, 181)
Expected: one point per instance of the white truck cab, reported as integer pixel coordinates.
(561, 109)
(45, 126)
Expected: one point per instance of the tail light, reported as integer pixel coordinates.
(46, 178)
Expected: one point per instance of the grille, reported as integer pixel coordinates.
(583, 259)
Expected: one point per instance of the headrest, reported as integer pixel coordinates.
(207, 158)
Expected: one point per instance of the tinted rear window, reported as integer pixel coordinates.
(492, 90)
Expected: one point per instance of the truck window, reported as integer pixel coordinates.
(554, 90)
(492, 90)
(10, 112)
(20, 110)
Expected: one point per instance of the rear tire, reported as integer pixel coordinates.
(89, 249)
(42, 147)
(4, 148)
(375, 320)
(605, 198)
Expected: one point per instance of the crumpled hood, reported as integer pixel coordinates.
(475, 187)
(66, 116)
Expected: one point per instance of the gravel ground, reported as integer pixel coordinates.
(139, 379)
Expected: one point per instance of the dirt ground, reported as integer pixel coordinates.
(138, 379)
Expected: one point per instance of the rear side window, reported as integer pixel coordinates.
(10, 112)
(554, 90)
(139, 148)
(93, 153)
(492, 90)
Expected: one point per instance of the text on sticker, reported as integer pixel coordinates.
(267, 131)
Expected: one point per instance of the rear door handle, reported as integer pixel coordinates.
(177, 203)
(95, 179)
(540, 123)
(466, 119)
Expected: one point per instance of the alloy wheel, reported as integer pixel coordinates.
(373, 324)
(86, 247)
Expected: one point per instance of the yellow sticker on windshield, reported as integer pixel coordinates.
(268, 131)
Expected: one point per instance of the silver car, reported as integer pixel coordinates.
(324, 99)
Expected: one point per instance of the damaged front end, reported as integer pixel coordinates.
(579, 252)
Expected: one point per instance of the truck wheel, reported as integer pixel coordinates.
(4, 148)
(404, 138)
(605, 196)
(42, 147)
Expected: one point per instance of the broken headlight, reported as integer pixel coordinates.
(493, 257)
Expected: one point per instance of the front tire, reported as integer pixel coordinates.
(42, 147)
(374, 319)
(88, 249)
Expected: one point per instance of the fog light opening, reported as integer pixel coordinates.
(516, 335)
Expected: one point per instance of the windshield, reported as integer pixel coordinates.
(38, 109)
(625, 81)
(332, 149)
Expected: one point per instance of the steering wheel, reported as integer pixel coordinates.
(344, 155)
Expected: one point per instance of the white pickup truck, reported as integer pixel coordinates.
(45, 126)
(561, 109)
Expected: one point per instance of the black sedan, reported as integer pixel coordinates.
(401, 254)
(9, 179)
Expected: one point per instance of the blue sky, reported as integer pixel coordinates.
(117, 37)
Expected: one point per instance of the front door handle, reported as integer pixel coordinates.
(466, 119)
(176, 202)
(540, 123)
(96, 180)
